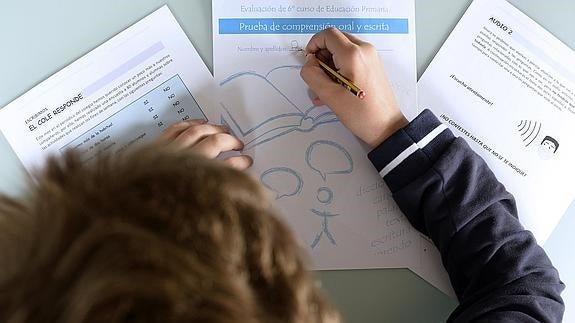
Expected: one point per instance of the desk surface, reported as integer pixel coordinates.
(41, 37)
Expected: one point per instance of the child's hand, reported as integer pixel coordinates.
(372, 119)
(205, 139)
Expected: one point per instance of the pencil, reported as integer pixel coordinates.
(342, 80)
(349, 85)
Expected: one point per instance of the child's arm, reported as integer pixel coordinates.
(447, 191)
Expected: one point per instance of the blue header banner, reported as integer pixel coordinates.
(270, 26)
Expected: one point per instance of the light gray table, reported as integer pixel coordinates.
(40, 37)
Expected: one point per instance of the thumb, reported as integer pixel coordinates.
(328, 91)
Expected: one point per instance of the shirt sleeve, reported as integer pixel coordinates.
(448, 193)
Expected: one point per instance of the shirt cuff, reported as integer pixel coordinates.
(411, 151)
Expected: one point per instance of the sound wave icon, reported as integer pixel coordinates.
(528, 130)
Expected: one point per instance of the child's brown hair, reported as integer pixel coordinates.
(152, 236)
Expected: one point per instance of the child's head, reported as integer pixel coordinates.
(154, 236)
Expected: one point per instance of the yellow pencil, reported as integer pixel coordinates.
(342, 80)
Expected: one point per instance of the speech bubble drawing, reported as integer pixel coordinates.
(328, 158)
(284, 181)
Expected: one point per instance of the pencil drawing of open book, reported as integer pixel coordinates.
(285, 105)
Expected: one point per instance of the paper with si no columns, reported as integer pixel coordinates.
(507, 86)
(328, 191)
(120, 95)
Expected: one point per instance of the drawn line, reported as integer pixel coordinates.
(520, 124)
(251, 73)
(250, 146)
(532, 131)
(327, 198)
(284, 66)
(538, 130)
(281, 124)
(529, 127)
(288, 171)
(324, 228)
(313, 145)
(249, 131)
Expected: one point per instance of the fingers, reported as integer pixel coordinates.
(317, 101)
(354, 39)
(239, 162)
(177, 128)
(341, 50)
(315, 77)
(327, 91)
(194, 134)
(207, 140)
(215, 144)
(325, 56)
(331, 39)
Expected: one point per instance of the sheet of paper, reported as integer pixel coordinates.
(326, 188)
(508, 86)
(120, 95)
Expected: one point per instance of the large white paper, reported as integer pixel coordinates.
(328, 191)
(508, 86)
(120, 95)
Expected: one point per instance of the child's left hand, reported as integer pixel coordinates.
(205, 139)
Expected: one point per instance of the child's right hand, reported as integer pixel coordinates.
(372, 119)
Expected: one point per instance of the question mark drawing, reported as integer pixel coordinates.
(328, 158)
(284, 181)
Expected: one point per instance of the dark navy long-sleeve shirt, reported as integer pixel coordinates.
(448, 192)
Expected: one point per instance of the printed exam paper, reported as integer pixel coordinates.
(328, 191)
(508, 86)
(121, 95)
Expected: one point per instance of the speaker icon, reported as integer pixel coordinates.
(529, 130)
